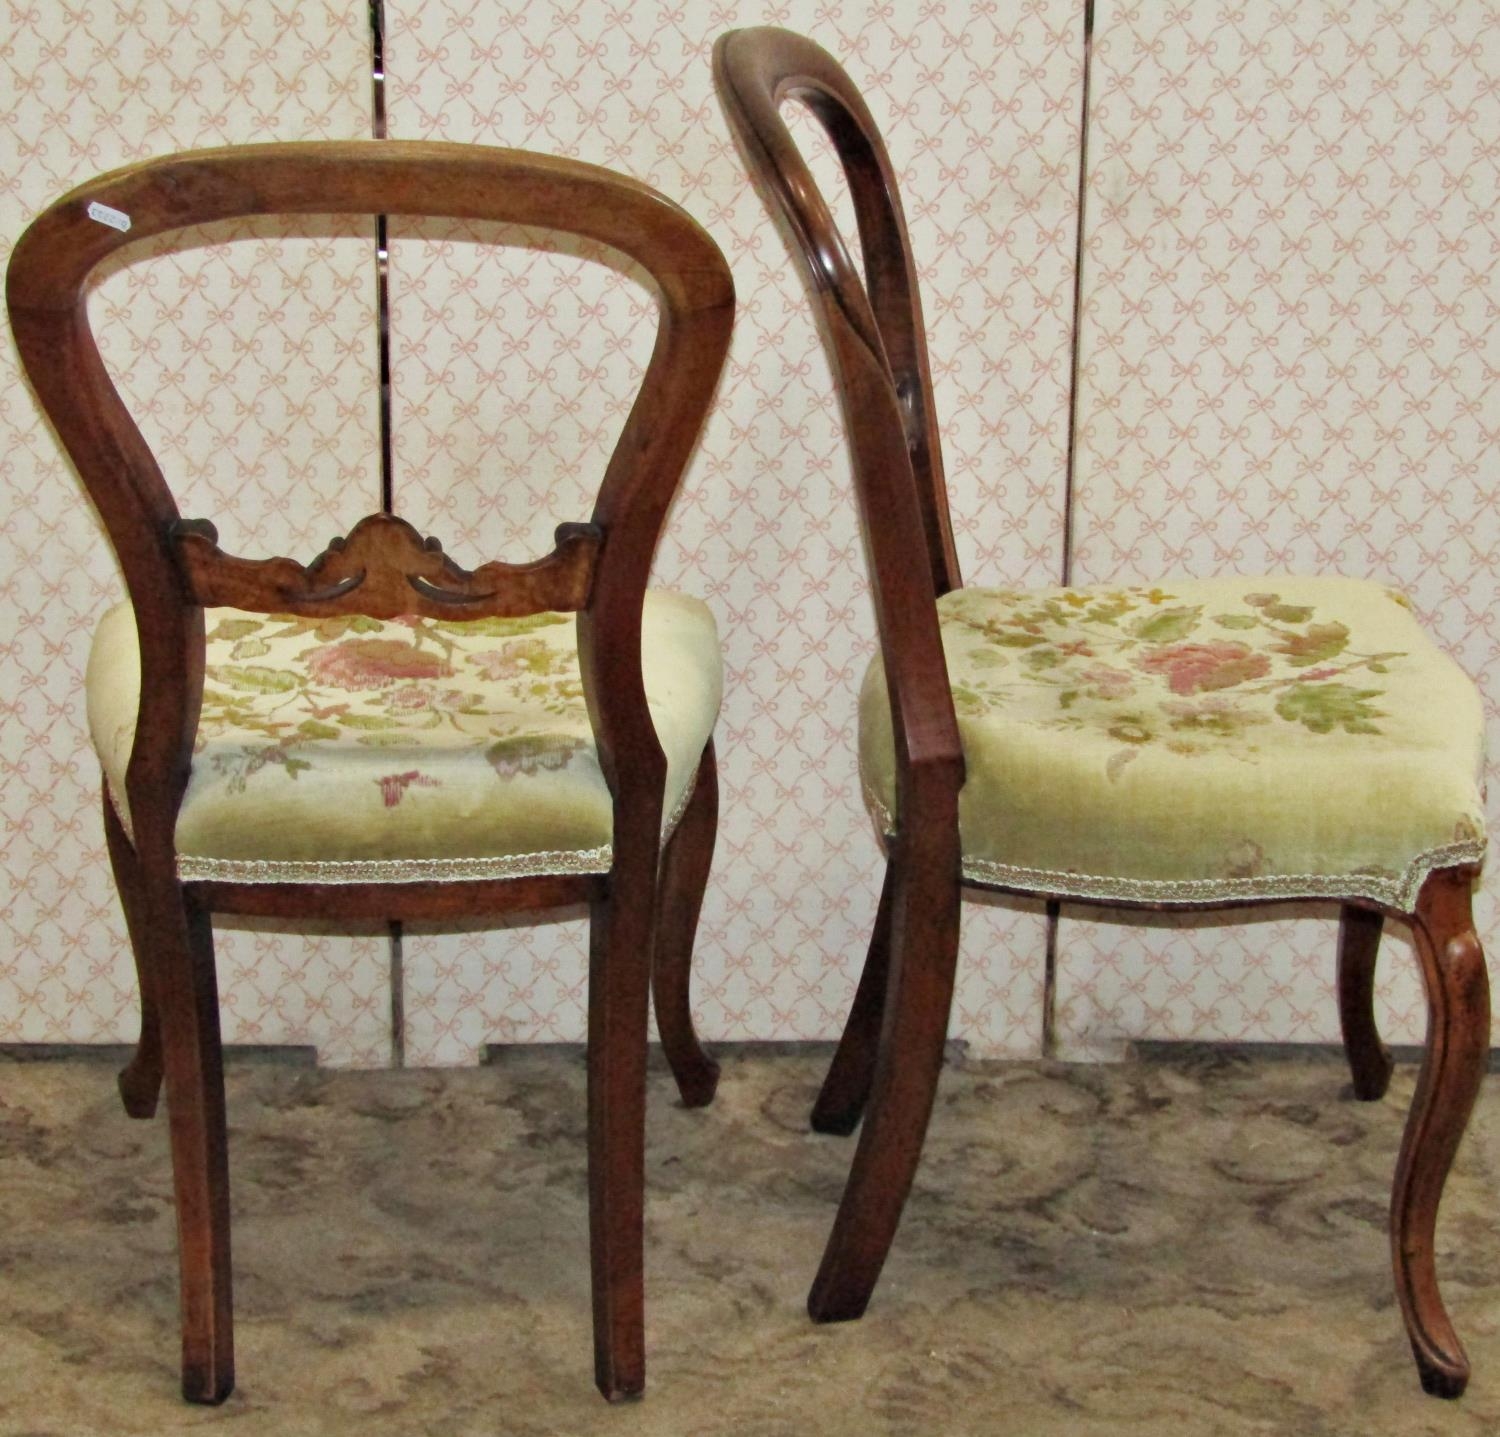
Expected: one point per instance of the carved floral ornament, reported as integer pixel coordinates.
(384, 568)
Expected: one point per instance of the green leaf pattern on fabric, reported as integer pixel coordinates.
(1325, 707)
(1150, 670)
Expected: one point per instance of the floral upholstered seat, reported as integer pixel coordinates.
(1202, 740)
(355, 749)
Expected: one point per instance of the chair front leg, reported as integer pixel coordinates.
(925, 896)
(684, 875)
(846, 1088)
(188, 1001)
(140, 1079)
(620, 932)
(1369, 1058)
(1458, 1035)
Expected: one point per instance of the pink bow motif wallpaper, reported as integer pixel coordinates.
(1286, 360)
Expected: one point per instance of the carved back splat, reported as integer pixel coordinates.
(385, 568)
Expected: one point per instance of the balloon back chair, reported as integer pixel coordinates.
(1199, 744)
(525, 759)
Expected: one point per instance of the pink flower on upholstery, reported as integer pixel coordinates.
(1200, 668)
(519, 657)
(411, 697)
(393, 786)
(373, 663)
(495, 664)
(421, 698)
(1105, 682)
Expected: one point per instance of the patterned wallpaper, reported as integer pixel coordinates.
(1286, 358)
(1289, 364)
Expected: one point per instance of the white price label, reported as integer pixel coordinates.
(115, 219)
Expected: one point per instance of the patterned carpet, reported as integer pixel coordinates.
(1181, 1245)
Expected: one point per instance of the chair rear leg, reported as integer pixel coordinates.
(684, 875)
(1458, 1035)
(140, 1078)
(924, 950)
(619, 965)
(846, 1089)
(188, 1001)
(1369, 1058)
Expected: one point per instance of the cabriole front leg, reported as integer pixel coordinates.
(1458, 1035)
(685, 865)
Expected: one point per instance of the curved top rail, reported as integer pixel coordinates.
(876, 343)
(66, 241)
(756, 71)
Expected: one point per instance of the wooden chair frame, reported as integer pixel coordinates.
(645, 908)
(887, 1063)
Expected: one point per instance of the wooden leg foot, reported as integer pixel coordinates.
(139, 1082)
(207, 1387)
(1446, 1382)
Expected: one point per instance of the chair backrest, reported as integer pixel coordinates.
(872, 329)
(173, 567)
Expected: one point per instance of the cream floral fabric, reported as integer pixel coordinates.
(347, 749)
(1202, 740)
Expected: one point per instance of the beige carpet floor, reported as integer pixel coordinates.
(1180, 1245)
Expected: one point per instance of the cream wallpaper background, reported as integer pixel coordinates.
(1287, 354)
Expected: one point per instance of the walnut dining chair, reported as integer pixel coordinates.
(380, 733)
(1196, 744)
